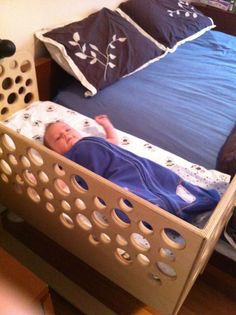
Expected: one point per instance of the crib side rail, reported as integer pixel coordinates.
(18, 84)
(212, 231)
(41, 186)
(219, 219)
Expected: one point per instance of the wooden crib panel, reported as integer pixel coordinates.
(18, 85)
(104, 242)
(212, 231)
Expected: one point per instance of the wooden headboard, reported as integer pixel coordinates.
(49, 77)
(225, 21)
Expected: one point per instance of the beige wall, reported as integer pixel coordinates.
(19, 19)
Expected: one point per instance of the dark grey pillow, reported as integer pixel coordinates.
(100, 49)
(227, 156)
(169, 22)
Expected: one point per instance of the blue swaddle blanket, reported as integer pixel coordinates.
(143, 177)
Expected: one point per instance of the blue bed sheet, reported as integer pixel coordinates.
(184, 103)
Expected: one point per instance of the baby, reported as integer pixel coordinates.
(138, 175)
(60, 137)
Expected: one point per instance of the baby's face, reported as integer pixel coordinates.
(61, 137)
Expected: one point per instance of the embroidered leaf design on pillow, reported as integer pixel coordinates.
(76, 37)
(93, 61)
(93, 47)
(186, 9)
(81, 55)
(122, 39)
(95, 55)
(112, 56)
(73, 43)
(84, 48)
(112, 46)
(111, 65)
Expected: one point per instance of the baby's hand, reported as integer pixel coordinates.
(102, 120)
(110, 132)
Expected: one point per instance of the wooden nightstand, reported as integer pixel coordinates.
(21, 291)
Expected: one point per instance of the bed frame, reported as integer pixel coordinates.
(78, 219)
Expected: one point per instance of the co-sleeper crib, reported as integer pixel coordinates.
(30, 176)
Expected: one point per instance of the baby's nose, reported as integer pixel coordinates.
(67, 135)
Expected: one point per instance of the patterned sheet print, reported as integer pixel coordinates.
(32, 120)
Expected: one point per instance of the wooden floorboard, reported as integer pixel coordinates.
(214, 292)
(208, 298)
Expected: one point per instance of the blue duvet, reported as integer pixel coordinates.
(143, 177)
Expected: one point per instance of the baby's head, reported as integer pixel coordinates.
(60, 137)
